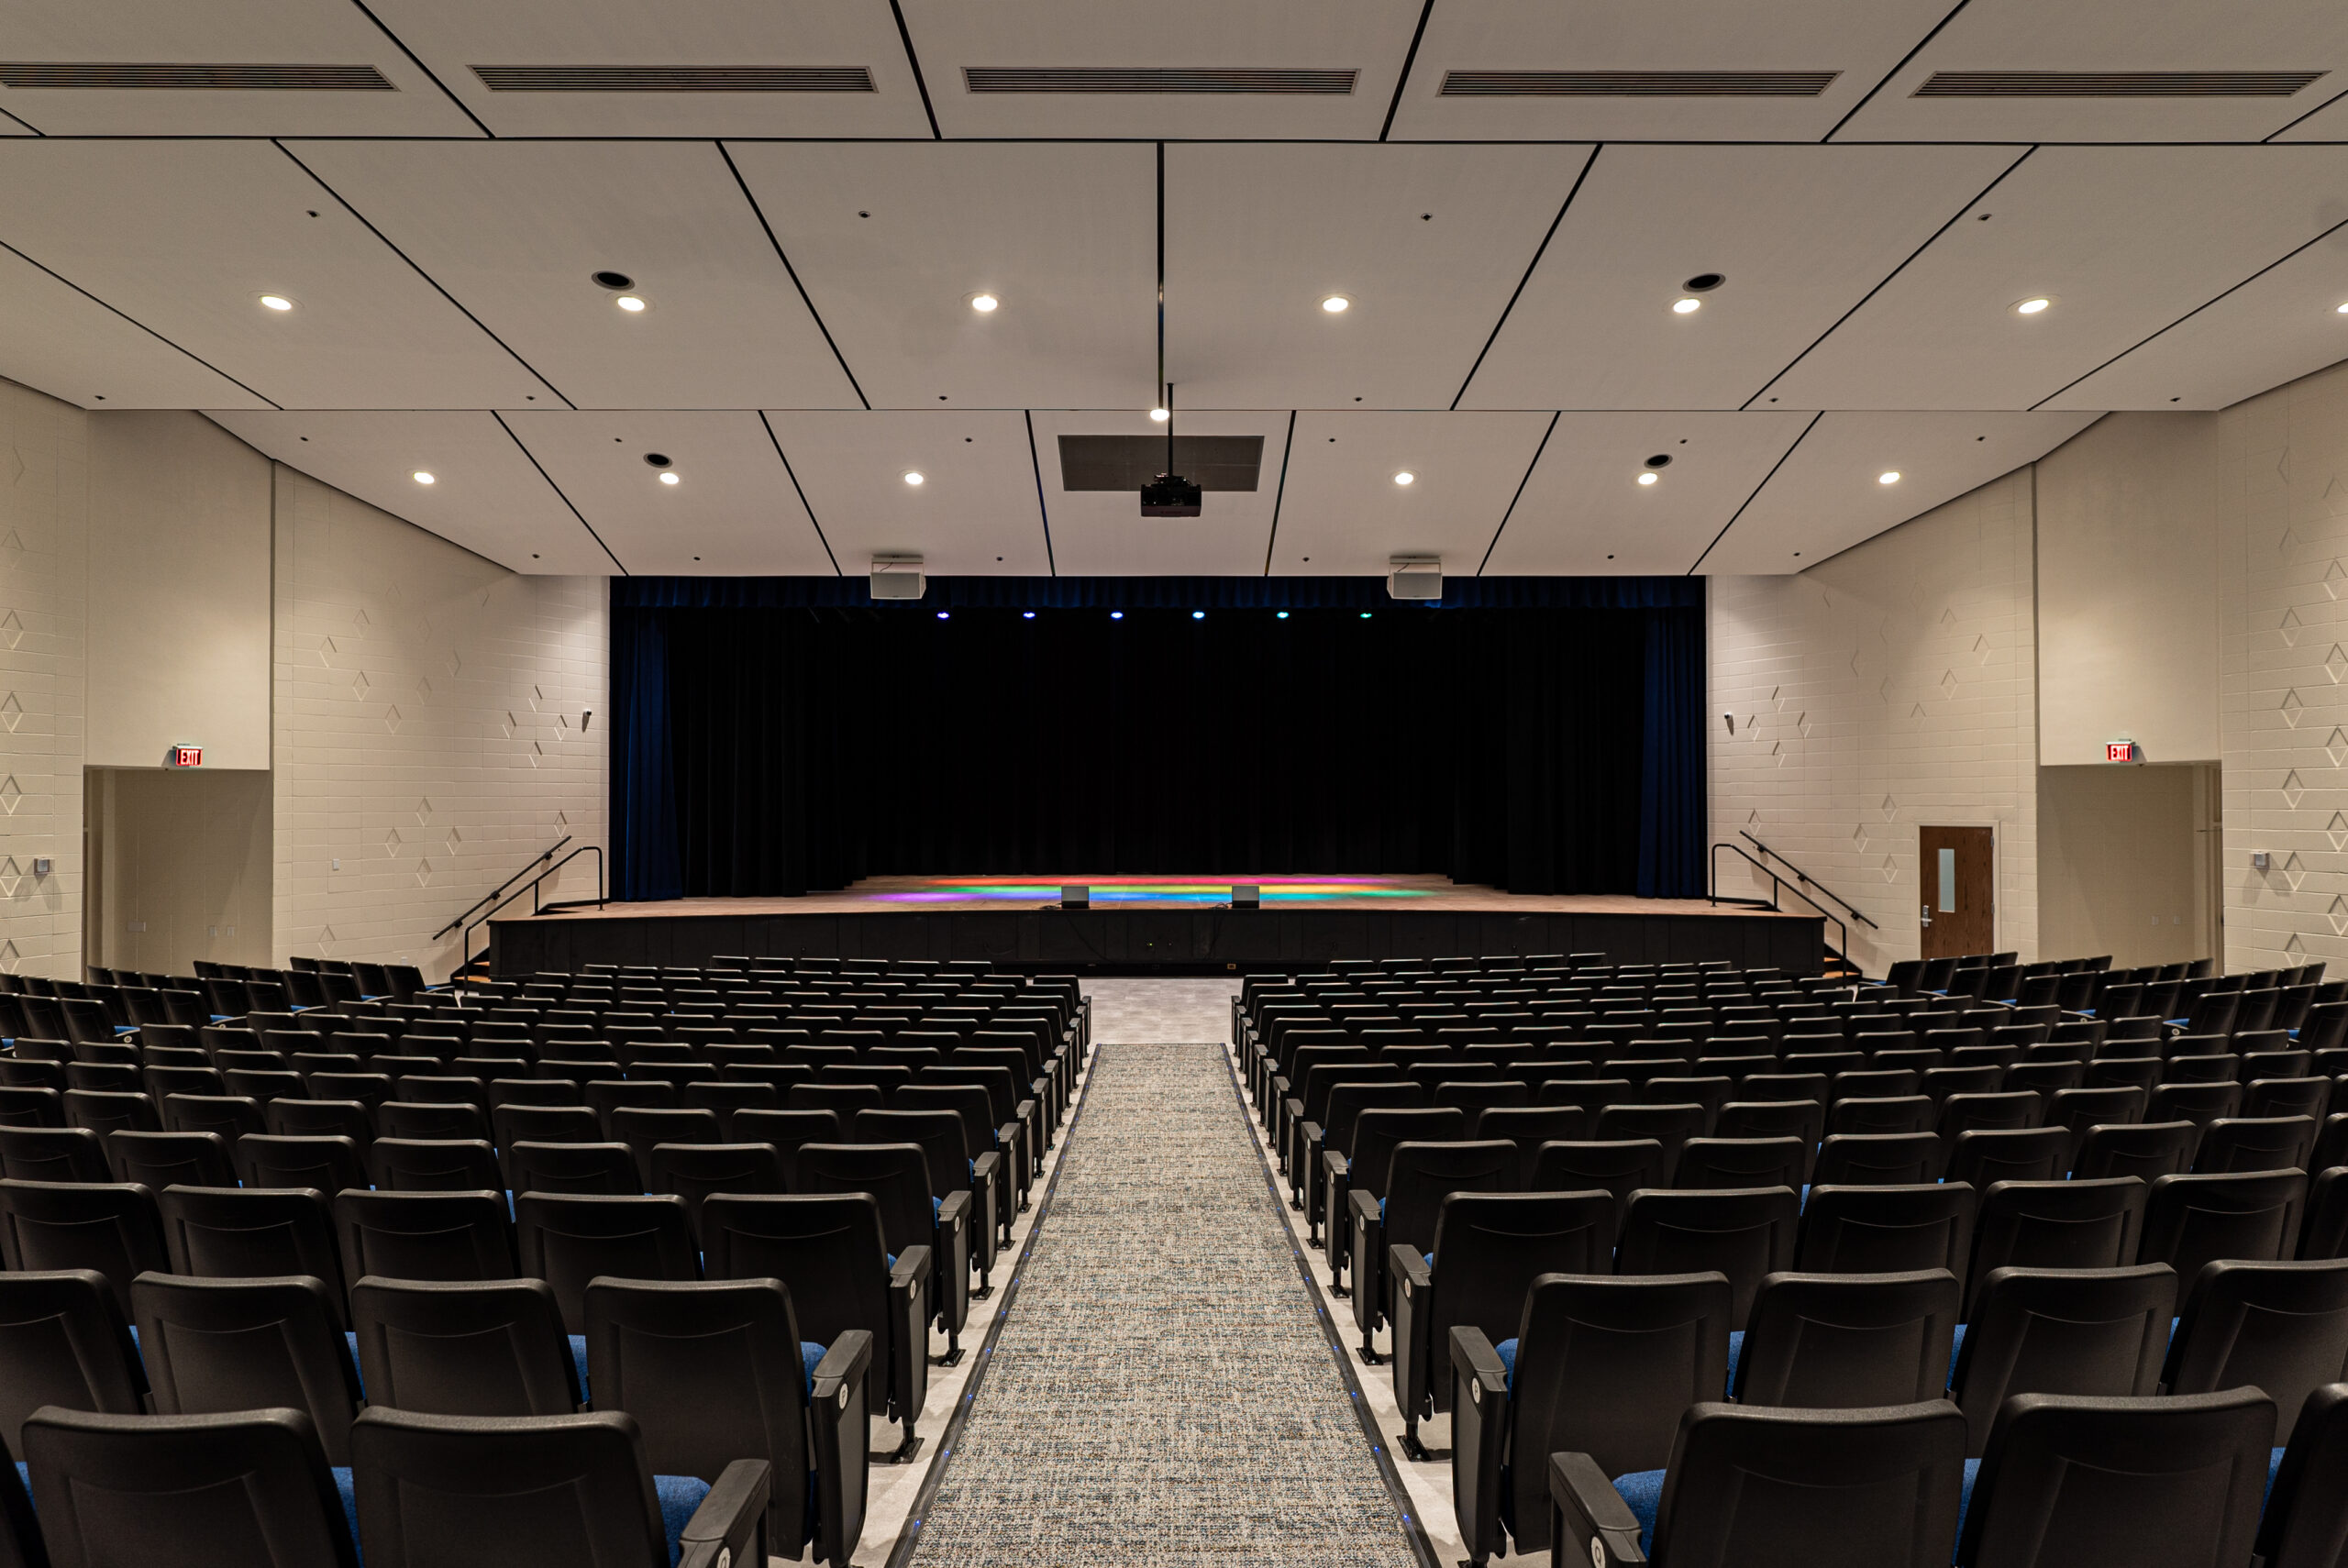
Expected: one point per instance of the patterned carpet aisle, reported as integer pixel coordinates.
(1161, 1392)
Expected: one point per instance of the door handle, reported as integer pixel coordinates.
(1928, 914)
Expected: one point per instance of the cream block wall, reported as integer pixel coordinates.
(44, 564)
(2282, 492)
(2127, 590)
(1889, 688)
(429, 730)
(179, 521)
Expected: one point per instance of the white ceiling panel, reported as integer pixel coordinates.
(185, 238)
(2326, 123)
(732, 513)
(397, 99)
(2281, 324)
(453, 37)
(891, 241)
(1585, 512)
(1828, 494)
(485, 493)
(973, 514)
(1852, 41)
(515, 230)
(1428, 242)
(2092, 36)
(1344, 515)
(2123, 239)
(1801, 233)
(60, 340)
(1100, 533)
(1368, 38)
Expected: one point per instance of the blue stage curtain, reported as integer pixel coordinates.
(1672, 812)
(643, 802)
(767, 747)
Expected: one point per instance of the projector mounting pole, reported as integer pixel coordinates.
(1169, 427)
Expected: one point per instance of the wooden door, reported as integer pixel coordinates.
(1959, 913)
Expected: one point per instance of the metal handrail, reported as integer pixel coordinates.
(465, 944)
(509, 881)
(1777, 884)
(1804, 879)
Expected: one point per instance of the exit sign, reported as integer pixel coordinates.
(2120, 751)
(187, 756)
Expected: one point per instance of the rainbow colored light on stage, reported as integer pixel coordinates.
(1150, 889)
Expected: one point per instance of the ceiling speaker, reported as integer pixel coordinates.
(898, 578)
(1415, 577)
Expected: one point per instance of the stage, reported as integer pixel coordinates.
(1159, 923)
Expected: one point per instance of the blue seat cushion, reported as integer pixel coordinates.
(1735, 1352)
(680, 1496)
(810, 1353)
(348, 1493)
(1506, 1351)
(1642, 1490)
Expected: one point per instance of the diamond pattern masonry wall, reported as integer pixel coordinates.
(44, 508)
(429, 729)
(1892, 687)
(2282, 622)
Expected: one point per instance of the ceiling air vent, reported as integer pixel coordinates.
(2115, 83)
(1155, 79)
(1128, 462)
(675, 78)
(115, 75)
(1636, 84)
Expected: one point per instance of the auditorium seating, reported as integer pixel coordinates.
(452, 1216)
(2003, 1194)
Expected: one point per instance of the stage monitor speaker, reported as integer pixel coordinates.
(1247, 898)
(1076, 896)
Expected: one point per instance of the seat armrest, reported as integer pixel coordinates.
(911, 1267)
(1480, 1425)
(841, 1421)
(1414, 1350)
(955, 1213)
(1311, 1132)
(1589, 1518)
(1473, 1357)
(730, 1525)
(1361, 1206)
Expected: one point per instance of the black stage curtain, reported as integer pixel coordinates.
(775, 750)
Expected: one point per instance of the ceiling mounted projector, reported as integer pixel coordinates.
(898, 578)
(1170, 494)
(1415, 577)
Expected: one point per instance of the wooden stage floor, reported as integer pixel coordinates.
(943, 895)
(1140, 924)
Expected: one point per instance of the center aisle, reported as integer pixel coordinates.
(1162, 1390)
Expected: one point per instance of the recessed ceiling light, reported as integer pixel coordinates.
(1159, 413)
(1649, 478)
(1337, 304)
(668, 479)
(1889, 476)
(913, 476)
(983, 303)
(2032, 305)
(1405, 476)
(422, 476)
(276, 302)
(2343, 310)
(629, 304)
(1687, 305)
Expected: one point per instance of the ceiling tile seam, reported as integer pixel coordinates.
(533, 458)
(1409, 60)
(1885, 282)
(2311, 114)
(1043, 509)
(772, 239)
(2190, 314)
(1904, 59)
(429, 75)
(386, 240)
(13, 119)
(1790, 448)
(1538, 251)
(140, 326)
(1279, 493)
(1512, 500)
(804, 505)
(921, 83)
